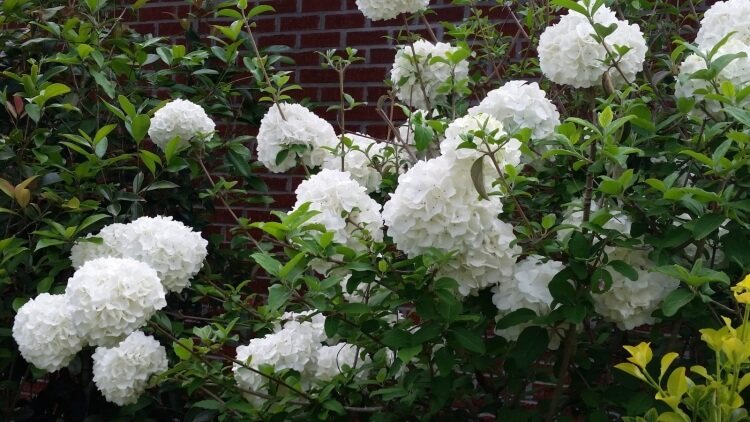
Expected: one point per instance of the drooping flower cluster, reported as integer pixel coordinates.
(110, 298)
(569, 54)
(417, 78)
(121, 373)
(168, 246)
(294, 345)
(436, 206)
(298, 131)
(180, 119)
(630, 303)
(389, 9)
(45, 333)
(359, 161)
(345, 209)
(518, 105)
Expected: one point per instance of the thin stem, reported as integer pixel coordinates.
(262, 62)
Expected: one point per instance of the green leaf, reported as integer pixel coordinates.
(183, 348)
(571, 5)
(278, 294)
(354, 308)
(208, 404)
(47, 242)
(407, 353)
(469, 340)
(126, 105)
(707, 224)
(477, 177)
(139, 127)
(676, 300)
(104, 83)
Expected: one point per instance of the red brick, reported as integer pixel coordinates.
(320, 40)
(367, 38)
(352, 20)
(299, 23)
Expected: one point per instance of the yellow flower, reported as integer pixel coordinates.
(742, 290)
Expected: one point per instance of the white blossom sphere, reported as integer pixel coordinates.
(331, 361)
(294, 347)
(170, 247)
(569, 55)
(521, 105)
(468, 128)
(182, 119)
(436, 206)
(111, 236)
(417, 81)
(45, 333)
(109, 298)
(298, 128)
(630, 303)
(122, 372)
(735, 72)
(378, 10)
(312, 319)
(345, 209)
(529, 286)
(721, 19)
(359, 161)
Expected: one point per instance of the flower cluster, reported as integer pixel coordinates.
(378, 10)
(45, 333)
(721, 19)
(121, 373)
(168, 246)
(290, 131)
(518, 105)
(120, 281)
(360, 160)
(294, 345)
(487, 134)
(735, 72)
(418, 78)
(110, 298)
(528, 288)
(630, 303)
(569, 54)
(436, 206)
(345, 209)
(180, 119)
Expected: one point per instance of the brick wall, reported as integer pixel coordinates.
(307, 26)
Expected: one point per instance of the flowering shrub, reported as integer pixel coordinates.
(507, 235)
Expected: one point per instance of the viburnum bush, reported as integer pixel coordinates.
(488, 259)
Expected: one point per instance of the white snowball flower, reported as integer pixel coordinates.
(417, 81)
(518, 105)
(569, 55)
(721, 19)
(312, 319)
(111, 235)
(358, 161)
(45, 334)
(110, 298)
(529, 286)
(173, 249)
(574, 216)
(345, 209)
(300, 130)
(180, 118)
(332, 359)
(436, 205)
(294, 347)
(630, 303)
(121, 373)
(735, 72)
(378, 10)
(468, 127)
